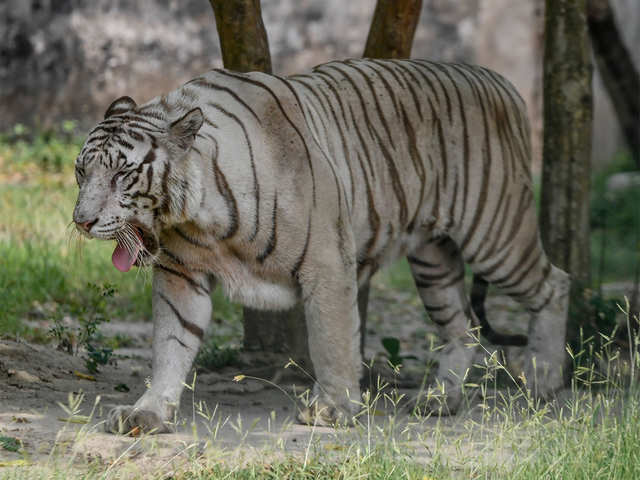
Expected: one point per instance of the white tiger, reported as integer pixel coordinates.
(300, 188)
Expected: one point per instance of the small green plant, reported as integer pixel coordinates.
(392, 347)
(9, 443)
(212, 356)
(89, 314)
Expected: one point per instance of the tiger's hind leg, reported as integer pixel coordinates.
(514, 261)
(438, 272)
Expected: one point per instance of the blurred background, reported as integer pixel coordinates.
(68, 59)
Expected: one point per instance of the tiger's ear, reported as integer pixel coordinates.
(121, 105)
(183, 131)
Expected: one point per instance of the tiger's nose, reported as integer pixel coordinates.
(86, 226)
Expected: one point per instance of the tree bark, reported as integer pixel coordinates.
(536, 108)
(243, 38)
(393, 28)
(564, 216)
(618, 72)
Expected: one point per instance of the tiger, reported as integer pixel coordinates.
(298, 189)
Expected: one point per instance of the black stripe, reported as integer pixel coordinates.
(343, 141)
(523, 256)
(173, 257)
(123, 143)
(419, 70)
(186, 324)
(199, 288)
(300, 261)
(182, 344)
(244, 78)
(544, 303)
(374, 217)
(190, 239)
(201, 82)
(516, 281)
(465, 145)
(492, 243)
(164, 185)
(329, 160)
(256, 185)
(440, 82)
(418, 164)
(150, 113)
(273, 236)
(421, 263)
(227, 195)
(405, 71)
(374, 95)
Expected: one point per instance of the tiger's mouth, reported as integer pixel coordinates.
(135, 245)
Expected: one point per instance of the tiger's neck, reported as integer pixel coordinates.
(199, 184)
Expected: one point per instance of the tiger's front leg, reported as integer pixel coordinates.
(329, 290)
(181, 313)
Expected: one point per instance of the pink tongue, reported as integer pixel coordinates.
(121, 257)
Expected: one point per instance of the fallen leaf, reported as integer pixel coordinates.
(20, 420)
(84, 376)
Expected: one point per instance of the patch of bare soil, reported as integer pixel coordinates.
(256, 414)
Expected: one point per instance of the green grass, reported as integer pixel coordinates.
(41, 259)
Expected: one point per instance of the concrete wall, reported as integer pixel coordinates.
(64, 59)
(70, 58)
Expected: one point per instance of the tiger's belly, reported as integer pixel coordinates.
(252, 291)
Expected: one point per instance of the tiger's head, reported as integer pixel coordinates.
(125, 171)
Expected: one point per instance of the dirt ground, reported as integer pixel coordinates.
(254, 415)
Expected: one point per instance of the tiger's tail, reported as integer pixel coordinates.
(478, 295)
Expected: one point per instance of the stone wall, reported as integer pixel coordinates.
(62, 59)
(70, 58)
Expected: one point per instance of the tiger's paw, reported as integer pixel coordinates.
(128, 420)
(324, 415)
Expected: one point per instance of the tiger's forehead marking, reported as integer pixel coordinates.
(110, 143)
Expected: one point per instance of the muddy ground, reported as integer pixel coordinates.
(251, 416)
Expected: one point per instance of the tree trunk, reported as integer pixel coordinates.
(536, 111)
(618, 72)
(564, 215)
(243, 38)
(392, 29)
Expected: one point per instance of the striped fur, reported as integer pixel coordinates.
(300, 188)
